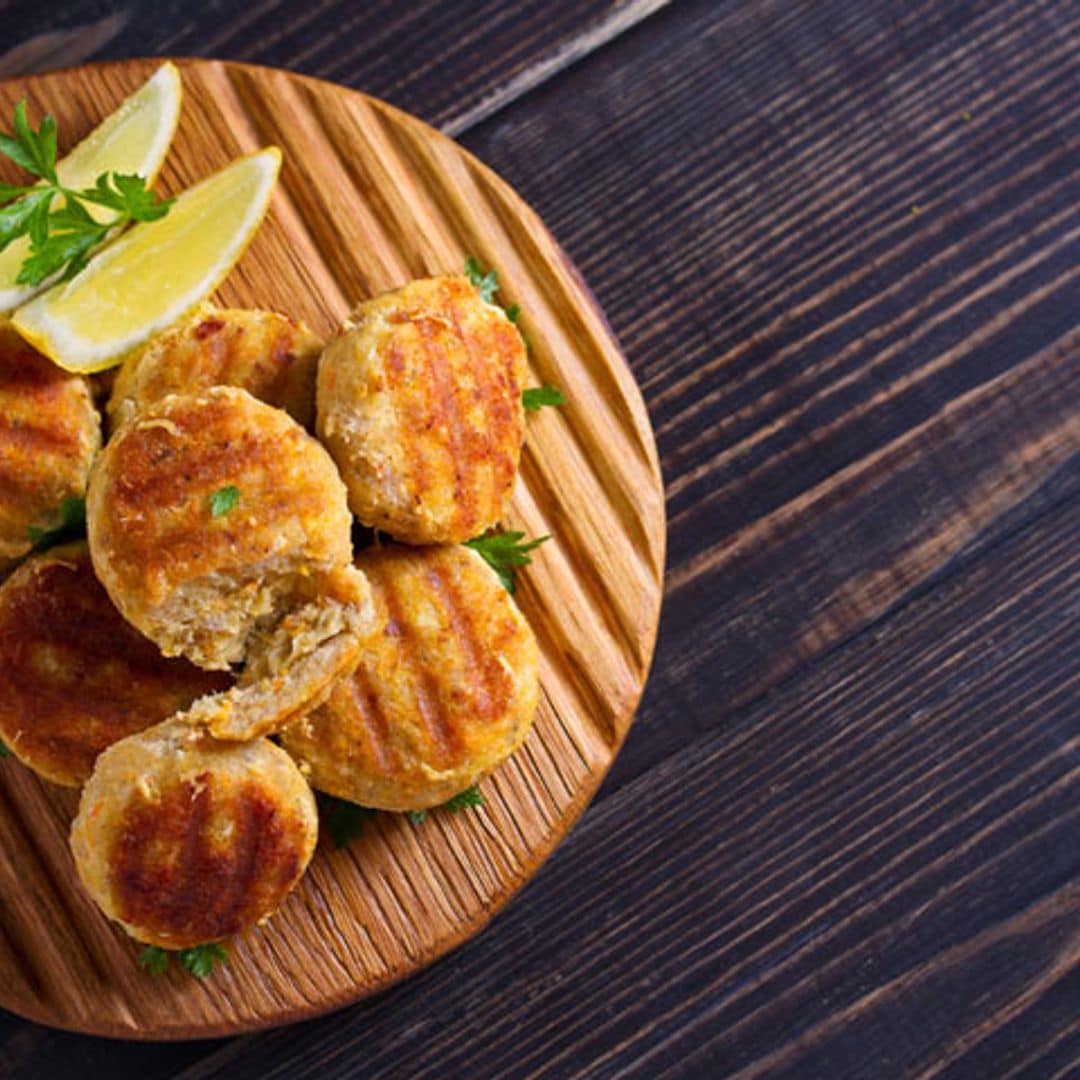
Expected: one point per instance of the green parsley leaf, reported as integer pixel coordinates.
(487, 283)
(536, 397)
(416, 816)
(4, 751)
(513, 312)
(344, 820)
(35, 151)
(62, 239)
(72, 525)
(463, 799)
(14, 191)
(224, 499)
(128, 194)
(15, 219)
(201, 960)
(503, 552)
(154, 959)
(55, 252)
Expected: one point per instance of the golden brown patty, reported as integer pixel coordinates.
(419, 401)
(74, 676)
(188, 568)
(49, 434)
(271, 356)
(184, 840)
(443, 695)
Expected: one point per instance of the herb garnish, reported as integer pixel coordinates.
(4, 751)
(469, 797)
(503, 552)
(344, 820)
(200, 960)
(72, 525)
(224, 499)
(487, 283)
(536, 397)
(463, 799)
(62, 236)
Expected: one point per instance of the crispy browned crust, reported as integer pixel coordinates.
(49, 434)
(184, 840)
(419, 401)
(153, 534)
(271, 356)
(442, 695)
(74, 676)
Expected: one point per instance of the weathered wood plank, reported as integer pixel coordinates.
(452, 64)
(872, 872)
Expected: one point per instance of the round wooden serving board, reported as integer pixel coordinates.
(370, 198)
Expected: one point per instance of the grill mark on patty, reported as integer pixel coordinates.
(252, 814)
(368, 710)
(146, 472)
(485, 679)
(28, 437)
(204, 894)
(494, 363)
(446, 738)
(413, 480)
(467, 516)
(182, 897)
(442, 405)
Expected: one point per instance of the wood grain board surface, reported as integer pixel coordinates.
(838, 242)
(370, 198)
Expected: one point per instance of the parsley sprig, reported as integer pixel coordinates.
(504, 552)
(461, 801)
(224, 499)
(200, 960)
(72, 525)
(487, 281)
(4, 751)
(62, 232)
(344, 820)
(464, 799)
(536, 397)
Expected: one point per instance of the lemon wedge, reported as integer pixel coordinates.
(133, 139)
(155, 273)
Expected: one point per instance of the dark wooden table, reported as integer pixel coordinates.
(839, 243)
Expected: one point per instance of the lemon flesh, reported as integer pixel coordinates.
(133, 139)
(155, 273)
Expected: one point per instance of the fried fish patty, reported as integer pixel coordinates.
(183, 839)
(271, 356)
(49, 434)
(419, 401)
(442, 695)
(74, 676)
(291, 669)
(210, 515)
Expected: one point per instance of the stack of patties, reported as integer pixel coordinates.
(219, 536)
(419, 402)
(218, 604)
